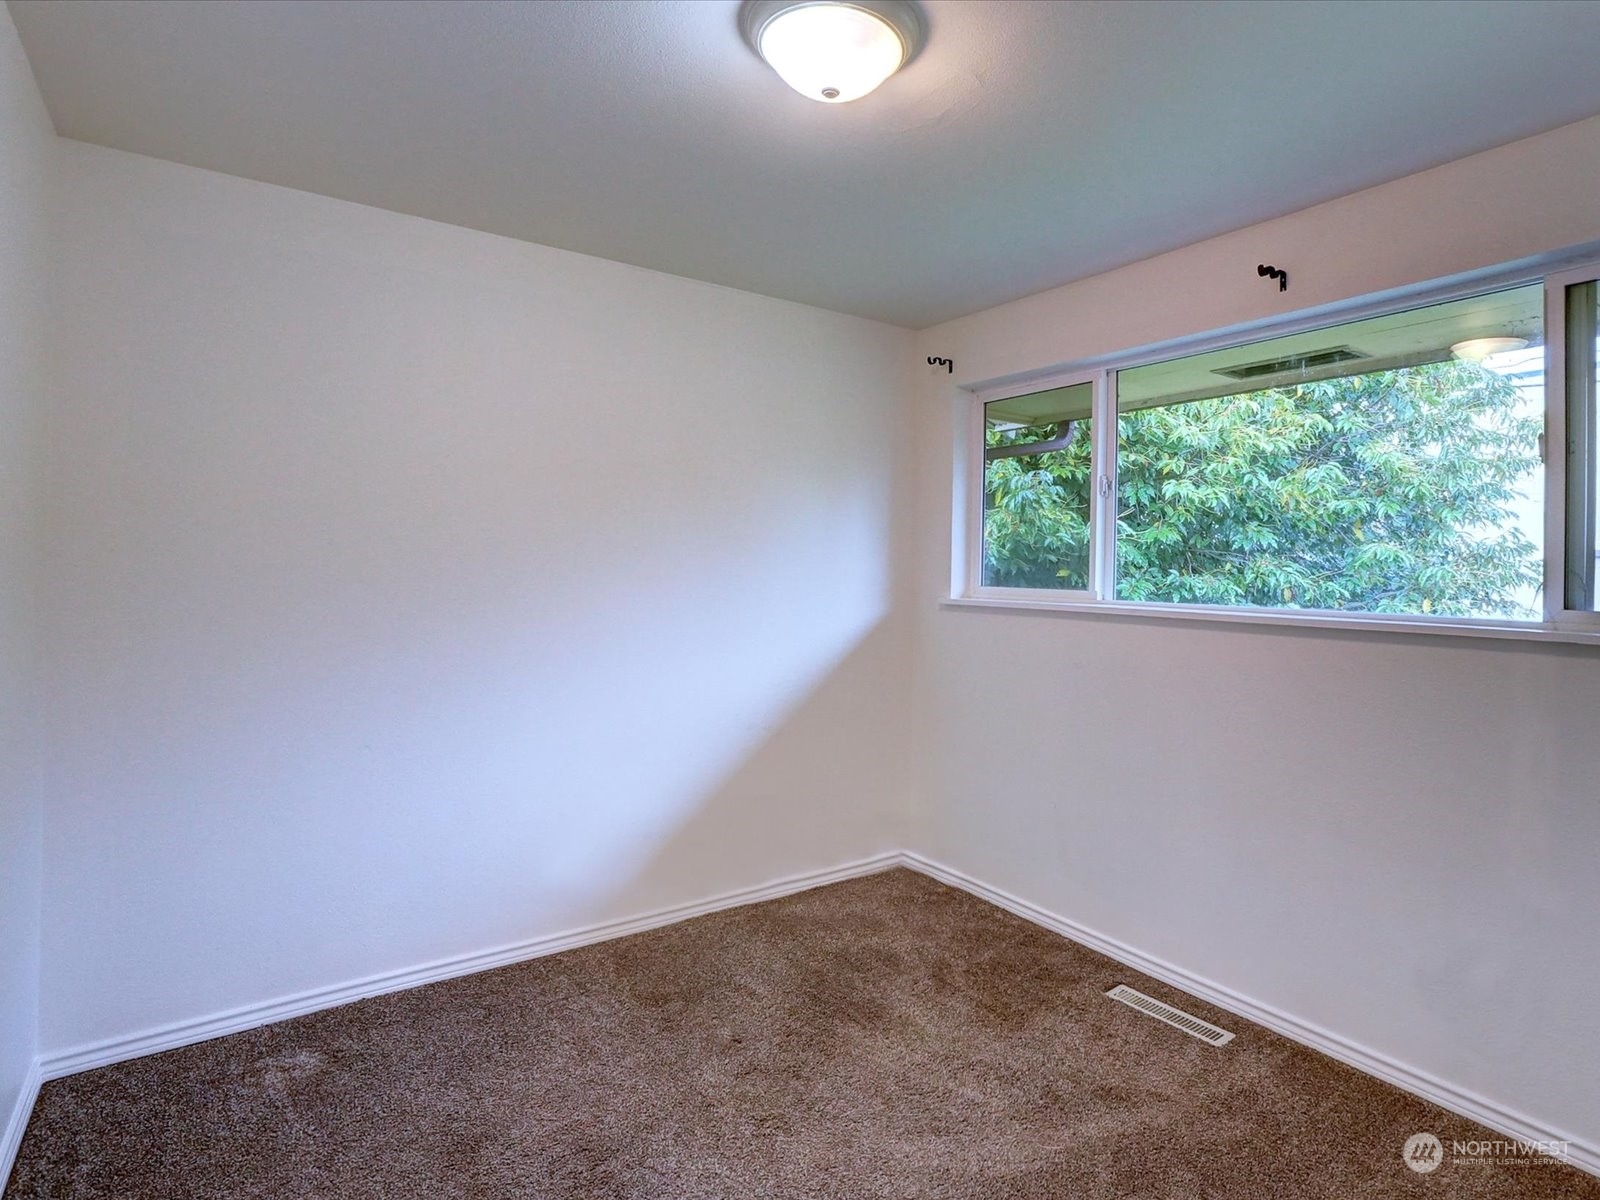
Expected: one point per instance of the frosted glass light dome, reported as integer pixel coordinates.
(1477, 349)
(833, 51)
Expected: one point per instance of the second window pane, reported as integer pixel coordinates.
(1386, 465)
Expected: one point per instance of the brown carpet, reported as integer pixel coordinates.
(886, 1037)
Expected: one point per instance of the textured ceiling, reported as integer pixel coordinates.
(1029, 145)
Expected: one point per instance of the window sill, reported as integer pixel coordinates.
(1516, 631)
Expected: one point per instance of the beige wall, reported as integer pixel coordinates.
(1394, 837)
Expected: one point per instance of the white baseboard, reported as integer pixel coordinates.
(1581, 1154)
(17, 1122)
(1585, 1155)
(249, 1016)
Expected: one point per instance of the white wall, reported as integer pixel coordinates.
(417, 591)
(25, 142)
(1394, 837)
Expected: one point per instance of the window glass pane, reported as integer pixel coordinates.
(1583, 446)
(1037, 479)
(1387, 465)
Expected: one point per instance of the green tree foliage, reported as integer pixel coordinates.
(1387, 492)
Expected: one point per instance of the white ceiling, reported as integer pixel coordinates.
(1030, 144)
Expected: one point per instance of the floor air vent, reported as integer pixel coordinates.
(1175, 1017)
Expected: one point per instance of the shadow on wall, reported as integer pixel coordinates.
(419, 592)
(834, 762)
(276, 815)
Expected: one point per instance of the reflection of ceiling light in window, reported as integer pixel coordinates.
(1475, 350)
(833, 50)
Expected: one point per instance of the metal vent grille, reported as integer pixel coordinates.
(1176, 1017)
(1294, 364)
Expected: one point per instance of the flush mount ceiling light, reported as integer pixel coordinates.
(833, 50)
(1477, 349)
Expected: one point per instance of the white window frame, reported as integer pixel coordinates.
(976, 489)
(1555, 459)
(1555, 273)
